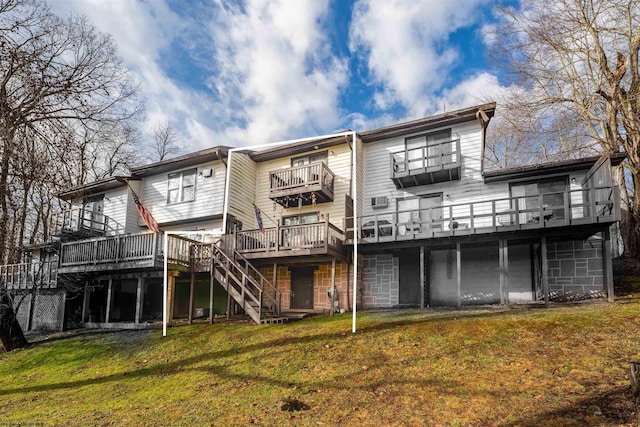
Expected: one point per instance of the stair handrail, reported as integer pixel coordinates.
(256, 298)
(277, 295)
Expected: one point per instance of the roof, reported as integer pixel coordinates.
(94, 187)
(298, 147)
(433, 122)
(206, 155)
(549, 168)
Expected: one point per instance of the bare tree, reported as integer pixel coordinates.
(67, 108)
(164, 143)
(581, 57)
(63, 93)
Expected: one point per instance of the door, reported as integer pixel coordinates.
(92, 217)
(302, 288)
(431, 213)
(409, 278)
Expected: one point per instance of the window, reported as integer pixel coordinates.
(420, 214)
(430, 150)
(181, 186)
(308, 218)
(550, 191)
(310, 158)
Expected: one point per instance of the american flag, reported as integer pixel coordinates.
(258, 217)
(144, 213)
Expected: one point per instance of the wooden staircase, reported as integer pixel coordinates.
(256, 295)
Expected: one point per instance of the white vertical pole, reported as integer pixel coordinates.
(165, 249)
(354, 194)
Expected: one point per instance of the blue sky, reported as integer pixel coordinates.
(259, 71)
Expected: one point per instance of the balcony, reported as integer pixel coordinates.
(81, 223)
(320, 238)
(426, 165)
(302, 185)
(28, 275)
(549, 210)
(124, 251)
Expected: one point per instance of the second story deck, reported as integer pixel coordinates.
(550, 210)
(301, 185)
(119, 252)
(316, 239)
(80, 222)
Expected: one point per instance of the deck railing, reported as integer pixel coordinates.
(428, 158)
(114, 249)
(298, 178)
(555, 209)
(84, 220)
(26, 275)
(179, 250)
(290, 237)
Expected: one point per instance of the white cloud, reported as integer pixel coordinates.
(143, 32)
(276, 67)
(405, 45)
(478, 89)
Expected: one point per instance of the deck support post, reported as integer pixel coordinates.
(607, 265)
(211, 285)
(139, 299)
(107, 317)
(171, 286)
(228, 305)
(192, 294)
(85, 301)
(423, 285)
(275, 285)
(333, 285)
(544, 272)
(459, 272)
(504, 271)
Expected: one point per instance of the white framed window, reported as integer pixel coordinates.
(181, 186)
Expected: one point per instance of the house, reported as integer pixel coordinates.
(271, 231)
(439, 230)
(303, 193)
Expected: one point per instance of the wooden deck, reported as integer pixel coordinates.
(85, 223)
(121, 252)
(302, 185)
(29, 274)
(426, 165)
(321, 238)
(575, 207)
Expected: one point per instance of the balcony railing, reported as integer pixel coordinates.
(316, 238)
(141, 249)
(29, 274)
(557, 209)
(83, 221)
(301, 184)
(427, 164)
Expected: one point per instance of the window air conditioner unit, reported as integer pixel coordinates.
(379, 202)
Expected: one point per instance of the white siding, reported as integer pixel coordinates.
(340, 164)
(132, 218)
(115, 207)
(377, 173)
(242, 189)
(209, 195)
(470, 188)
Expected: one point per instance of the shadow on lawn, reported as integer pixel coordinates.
(615, 407)
(186, 364)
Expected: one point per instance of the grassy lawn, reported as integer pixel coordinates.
(482, 368)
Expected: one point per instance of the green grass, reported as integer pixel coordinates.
(494, 367)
